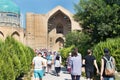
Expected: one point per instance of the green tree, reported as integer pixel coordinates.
(7, 67)
(99, 18)
(79, 40)
(65, 53)
(15, 59)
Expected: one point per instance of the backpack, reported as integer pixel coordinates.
(110, 67)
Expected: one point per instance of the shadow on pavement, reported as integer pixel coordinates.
(53, 73)
(67, 79)
(63, 70)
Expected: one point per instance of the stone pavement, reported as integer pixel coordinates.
(63, 75)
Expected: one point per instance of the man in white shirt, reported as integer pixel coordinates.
(38, 63)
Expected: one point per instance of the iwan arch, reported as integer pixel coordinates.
(49, 30)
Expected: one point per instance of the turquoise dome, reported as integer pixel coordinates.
(9, 6)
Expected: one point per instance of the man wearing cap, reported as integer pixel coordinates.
(38, 63)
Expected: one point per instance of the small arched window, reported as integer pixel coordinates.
(59, 28)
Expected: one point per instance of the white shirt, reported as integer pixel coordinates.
(38, 62)
(57, 63)
(45, 62)
(76, 65)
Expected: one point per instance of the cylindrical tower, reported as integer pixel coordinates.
(9, 14)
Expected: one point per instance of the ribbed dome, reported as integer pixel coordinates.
(9, 6)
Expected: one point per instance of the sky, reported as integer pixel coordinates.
(44, 6)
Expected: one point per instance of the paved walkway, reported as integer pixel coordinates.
(63, 75)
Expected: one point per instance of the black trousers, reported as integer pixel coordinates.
(57, 69)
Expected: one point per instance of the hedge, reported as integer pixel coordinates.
(113, 45)
(15, 59)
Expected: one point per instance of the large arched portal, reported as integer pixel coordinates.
(59, 24)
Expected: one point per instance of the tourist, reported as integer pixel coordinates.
(103, 65)
(38, 63)
(76, 65)
(45, 65)
(67, 63)
(89, 61)
(49, 62)
(57, 65)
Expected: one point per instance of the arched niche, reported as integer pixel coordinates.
(59, 28)
(16, 35)
(57, 21)
(1, 35)
(60, 42)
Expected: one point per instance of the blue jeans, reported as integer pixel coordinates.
(75, 77)
(111, 78)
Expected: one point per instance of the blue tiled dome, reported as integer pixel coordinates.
(9, 6)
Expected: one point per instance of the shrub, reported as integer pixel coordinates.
(114, 47)
(65, 52)
(15, 59)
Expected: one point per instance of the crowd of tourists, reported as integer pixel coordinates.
(44, 60)
(75, 62)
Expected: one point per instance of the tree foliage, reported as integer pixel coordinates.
(15, 59)
(79, 40)
(65, 53)
(99, 18)
(114, 47)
